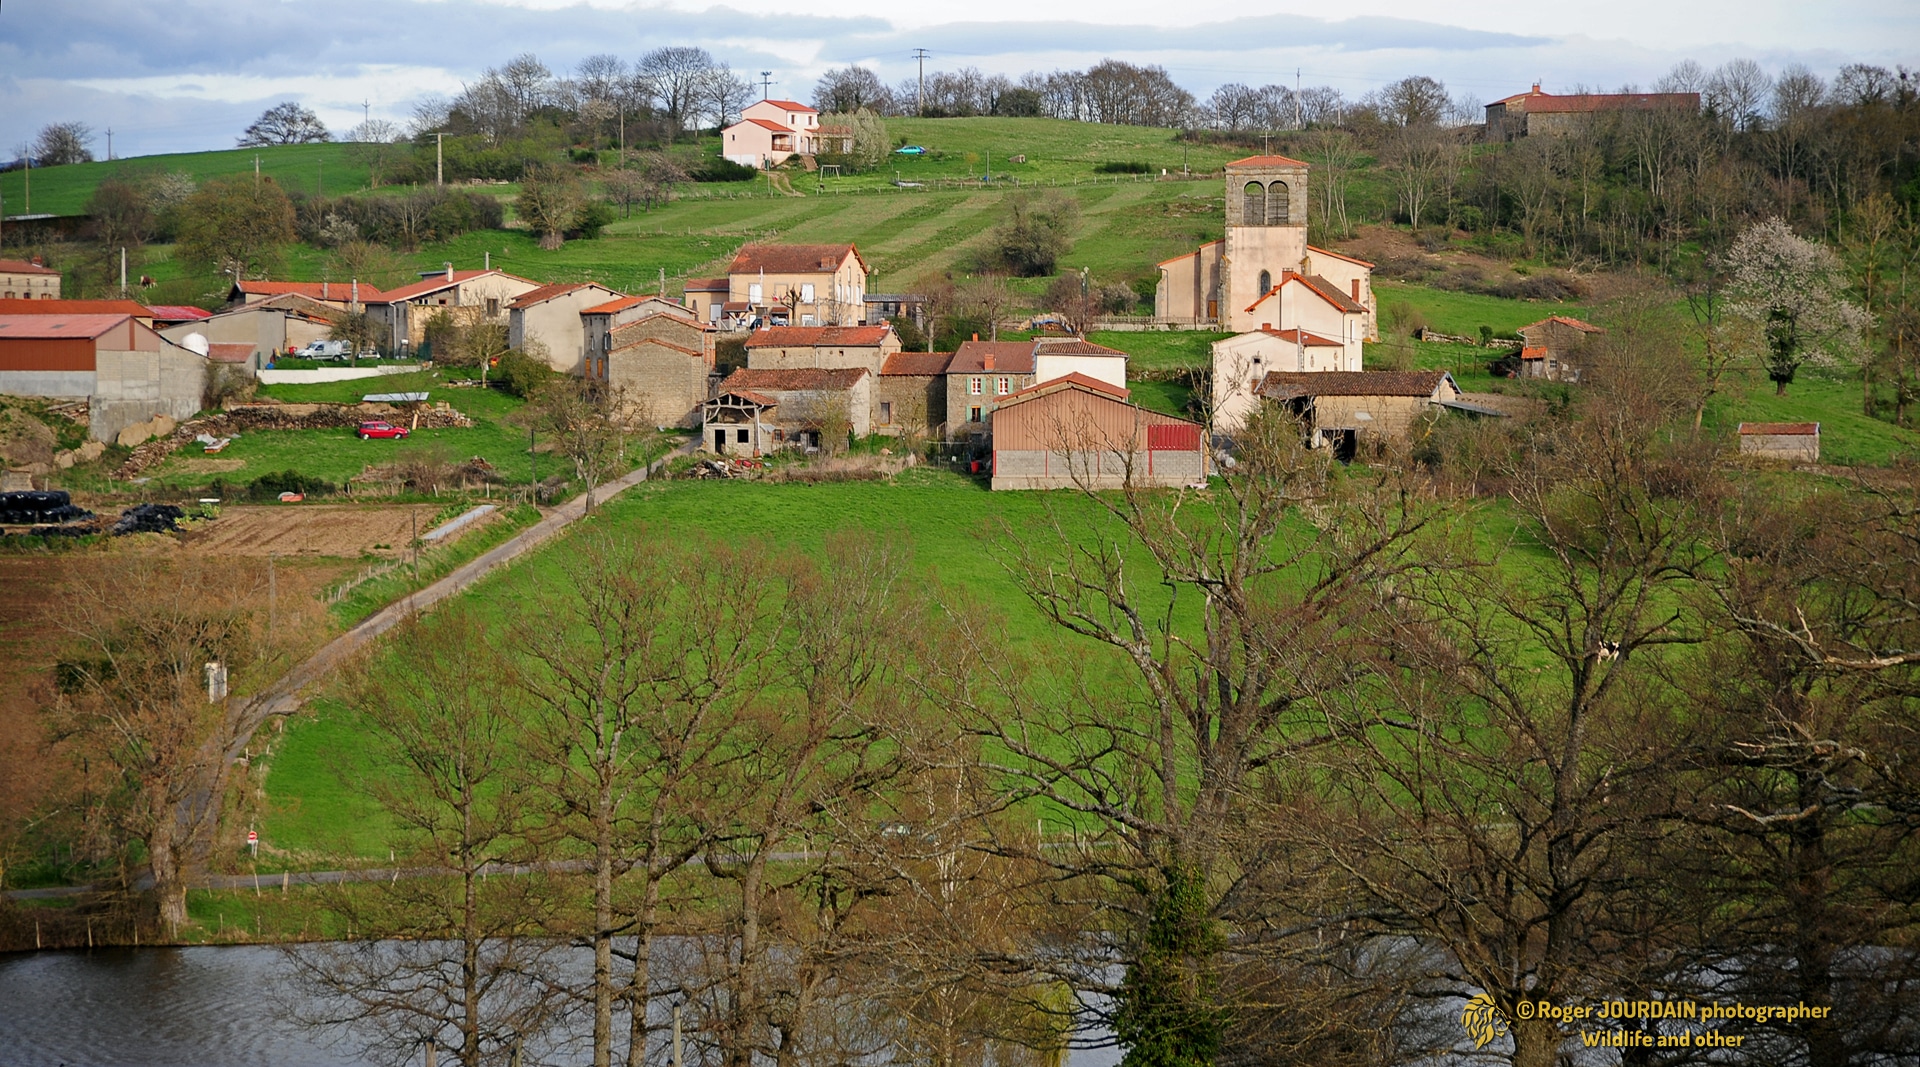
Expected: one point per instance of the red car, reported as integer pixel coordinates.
(370, 430)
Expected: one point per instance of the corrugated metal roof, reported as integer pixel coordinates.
(57, 327)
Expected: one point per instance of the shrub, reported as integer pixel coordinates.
(271, 485)
(722, 170)
(1037, 231)
(521, 374)
(1118, 167)
(590, 220)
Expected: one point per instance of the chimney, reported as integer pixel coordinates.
(1536, 87)
(324, 290)
(449, 267)
(1266, 325)
(987, 363)
(976, 337)
(1356, 290)
(356, 291)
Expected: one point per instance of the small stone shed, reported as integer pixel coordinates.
(1795, 442)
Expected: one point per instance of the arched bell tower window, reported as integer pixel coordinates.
(1266, 282)
(1278, 202)
(1255, 213)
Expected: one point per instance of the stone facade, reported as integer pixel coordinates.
(660, 366)
(911, 395)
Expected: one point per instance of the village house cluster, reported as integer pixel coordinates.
(821, 356)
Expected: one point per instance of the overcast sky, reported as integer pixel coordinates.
(188, 75)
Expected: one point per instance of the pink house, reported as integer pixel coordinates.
(771, 131)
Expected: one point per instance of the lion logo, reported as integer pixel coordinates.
(1483, 1020)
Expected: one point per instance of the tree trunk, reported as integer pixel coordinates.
(1536, 1043)
(169, 880)
(603, 926)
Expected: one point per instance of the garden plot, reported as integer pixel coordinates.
(342, 530)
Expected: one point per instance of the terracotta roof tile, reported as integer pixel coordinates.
(21, 266)
(179, 312)
(1295, 337)
(778, 381)
(790, 105)
(78, 307)
(909, 364)
(1566, 320)
(818, 336)
(229, 351)
(329, 291)
(1339, 255)
(1319, 287)
(1780, 429)
(1286, 385)
(1267, 161)
(792, 259)
(434, 285)
(1072, 346)
(768, 124)
(706, 285)
(548, 292)
(1054, 385)
(1011, 357)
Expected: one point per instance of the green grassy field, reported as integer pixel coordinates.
(328, 168)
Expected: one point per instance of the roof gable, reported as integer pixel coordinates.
(1267, 161)
(439, 282)
(819, 336)
(57, 327)
(1319, 287)
(796, 379)
(1076, 380)
(557, 289)
(977, 357)
(21, 266)
(329, 290)
(912, 364)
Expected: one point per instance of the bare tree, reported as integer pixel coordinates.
(638, 666)
(583, 419)
(550, 201)
(61, 143)
(446, 956)
(675, 78)
(146, 699)
(724, 94)
(285, 123)
(849, 89)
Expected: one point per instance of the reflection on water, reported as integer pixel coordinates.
(176, 1007)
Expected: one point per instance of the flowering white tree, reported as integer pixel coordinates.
(1793, 288)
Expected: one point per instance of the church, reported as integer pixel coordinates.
(1290, 306)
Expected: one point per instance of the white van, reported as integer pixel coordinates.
(325, 350)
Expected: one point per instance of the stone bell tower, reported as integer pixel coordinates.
(1266, 232)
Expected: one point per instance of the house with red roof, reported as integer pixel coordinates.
(1534, 113)
(786, 285)
(1553, 348)
(912, 394)
(983, 373)
(28, 279)
(126, 372)
(466, 297)
(547, 320)
(656, 357)
(770, 132)
(351, 295)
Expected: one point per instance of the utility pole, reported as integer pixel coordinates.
(123, 274)
(256, 174)
(320, 179)
(1299, 121)
(366, 120)
(920, 93)
(766, 85)
(109, 144)
(439, 161)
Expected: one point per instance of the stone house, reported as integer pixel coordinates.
(794, 347)
(549, 319)
(660, 365)
(978, 376)
(1224, 283)
(125, 371)
(1077, 432)
(791, 285)
(598, 322)
(1339, 411)
(770, 132)
(28, 279)
(468, 297)
(1534, 113)
(756, 411)
(911, 396)
(1552, 348)
(1794, 442)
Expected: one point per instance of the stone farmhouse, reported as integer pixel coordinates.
(785, 285)
(1535, 113)
(467, 296)
(660, 364)
(1077, 431)
(1341, 411)
(983, 372)
(911, 399)
(770, 132)
(28, 279)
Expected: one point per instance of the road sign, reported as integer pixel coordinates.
(253, 842)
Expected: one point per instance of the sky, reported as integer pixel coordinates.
(189, 75)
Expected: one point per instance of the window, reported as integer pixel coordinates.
(1266, 281)
(493, 306)
(806, 293)
(1255, 207)
(886, 413)
(1278, 201)
(754, 293)
(740, 436)
(974, 385)
(1003, 386)
(973, 414)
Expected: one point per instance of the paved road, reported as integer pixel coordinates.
(284, 697)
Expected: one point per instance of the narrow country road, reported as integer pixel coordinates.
(284, 697)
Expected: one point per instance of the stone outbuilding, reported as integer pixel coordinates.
(660, 364)
(1794, 442)
(1534, 113)
(467, 297)
(912, 393)
(1340, 410)
(1552, 348)
(126, 372)
(1077, 432)
(756, 411)
(796, 347)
